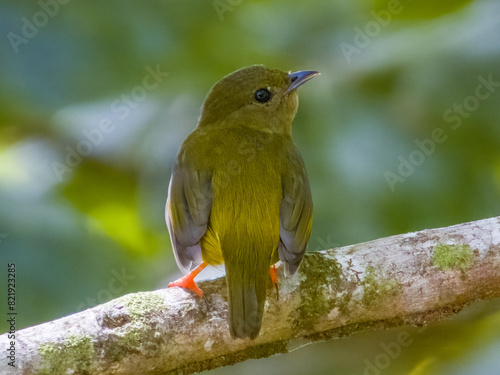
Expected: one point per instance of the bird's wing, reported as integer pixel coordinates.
(188, 209)
(295, 216)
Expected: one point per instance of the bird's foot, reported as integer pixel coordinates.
(188, 280)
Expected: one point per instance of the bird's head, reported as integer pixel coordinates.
(256, 97)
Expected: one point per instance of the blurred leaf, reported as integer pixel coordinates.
(108, 195)
(424, 367)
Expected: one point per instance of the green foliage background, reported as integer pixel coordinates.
(98, 231)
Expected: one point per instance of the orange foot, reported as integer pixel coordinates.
(188, 280)
(274, 279)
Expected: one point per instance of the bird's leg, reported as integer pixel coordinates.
(187, 281)
(274, 279)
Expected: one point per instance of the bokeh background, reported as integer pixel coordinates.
(96, 98)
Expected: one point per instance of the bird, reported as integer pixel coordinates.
(239, 193)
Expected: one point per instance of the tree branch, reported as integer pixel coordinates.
(411, 278)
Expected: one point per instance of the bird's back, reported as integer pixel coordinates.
(244, 228)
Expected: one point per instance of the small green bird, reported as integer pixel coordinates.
(239, 193)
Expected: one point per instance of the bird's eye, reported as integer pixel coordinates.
(262, 95)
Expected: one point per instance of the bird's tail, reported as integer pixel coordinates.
(247, 294)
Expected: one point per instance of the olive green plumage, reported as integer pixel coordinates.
(239, 193)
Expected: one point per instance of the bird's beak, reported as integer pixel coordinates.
(299, 78)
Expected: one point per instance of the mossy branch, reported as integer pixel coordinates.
(412, 278)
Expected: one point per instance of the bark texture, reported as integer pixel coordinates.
(412, 278)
